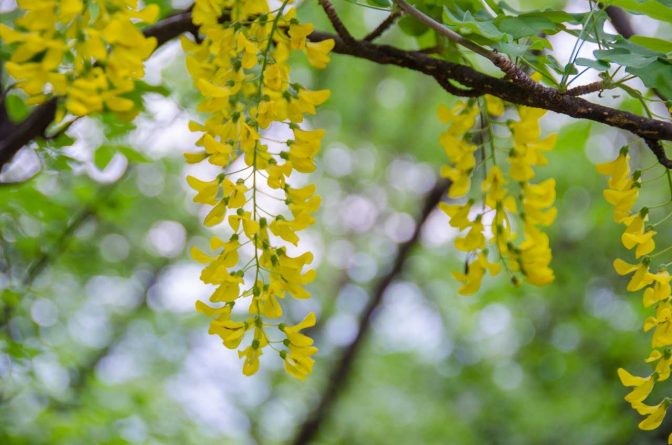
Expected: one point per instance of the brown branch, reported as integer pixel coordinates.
(336, 22)
(15, 136)
(171, 27)
(542, 97)
(474, 82)
(384, 26)
(585, 89)
(512, 71)
(339, 376)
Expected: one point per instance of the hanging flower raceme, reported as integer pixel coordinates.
(90, 54)
(240, 66)
(639, 237)
(488, 227)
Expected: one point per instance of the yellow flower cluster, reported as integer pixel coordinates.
(90, 54)
(530, 257)
(622, 193)
(241, 68)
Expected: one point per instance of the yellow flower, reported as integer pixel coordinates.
(494, 105)
(637, 235)
(318, 52)
(640, 279)
(298, 34)
(297, 358)
(664, 361)
(662, 336)
(458, 214)
(660, 290)
(253, 352)
(474, 239)
(231, 332)
(474, 272)
(246, 86)
(642, 386)
(654, 419)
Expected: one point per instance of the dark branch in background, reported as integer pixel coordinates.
(475, 83)
(619, 18)
(339, 377)
(83, 373)
(61, 244)
(171, 27)
(384, 26)
(621, 22)
(59, 247)
(37, 267)
(14, 136)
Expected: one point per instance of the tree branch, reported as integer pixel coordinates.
(619, 18)
(336, 22)
(384, 26)
(476, 83)
(542, 97)
(339, 376)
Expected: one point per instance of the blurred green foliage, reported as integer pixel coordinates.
(100, 344)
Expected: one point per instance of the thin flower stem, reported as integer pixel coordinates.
(669, 215)
(667, 249)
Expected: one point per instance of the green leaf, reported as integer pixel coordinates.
(511, 49)
(526, 25)
(469, 26)
(16, 108)
(132, 155)
(652, 43)
(599, 65)
(657, 74)
(411, 26)
(104, 155)
(653, 8)
(622, 56)
(381, 3)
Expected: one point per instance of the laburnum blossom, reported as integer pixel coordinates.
(639, 236)
(505, 190)
(473, 275)
(623, 186)
(297, 358)
(240, 67)
(91, 54)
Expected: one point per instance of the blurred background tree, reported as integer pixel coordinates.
(100, 343)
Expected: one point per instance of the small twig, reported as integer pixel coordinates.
(658, 150)
(513, 72)
(336, 22)
(384, 26)
(586, 89)
(85, 372)
(447, 85)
